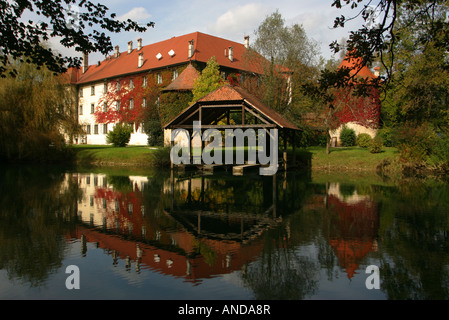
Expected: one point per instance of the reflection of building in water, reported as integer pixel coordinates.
(354, 222)
(116, 215)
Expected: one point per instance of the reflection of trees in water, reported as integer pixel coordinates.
(415, 241)
(282, 274)
(34, 215)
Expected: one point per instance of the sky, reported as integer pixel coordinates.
(229, 19)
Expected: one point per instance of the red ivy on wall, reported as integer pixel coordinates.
(127, 100)
(363, 110)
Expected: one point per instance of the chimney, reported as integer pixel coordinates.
(231, 54)
(139, 44)
(130, 47)
(85, 62)
(140, 63)
(117, 53)
(190, 49)
(246, 42)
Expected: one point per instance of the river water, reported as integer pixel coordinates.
(139, 234)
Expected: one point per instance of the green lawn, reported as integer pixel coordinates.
(340, 159)
(351, 158)
(105, 154)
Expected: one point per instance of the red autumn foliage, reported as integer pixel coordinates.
(130, 93)
(363, 110)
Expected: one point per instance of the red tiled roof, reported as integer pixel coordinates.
(205, 46)
(228, 93)
(353, 65)
(185, 80)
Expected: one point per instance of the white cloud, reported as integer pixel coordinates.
(139, 13)
(240, 20)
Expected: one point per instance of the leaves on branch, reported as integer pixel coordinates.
(25, 39)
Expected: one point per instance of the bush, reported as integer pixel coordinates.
(120, 135)
(415, 143)
(387, 136)
(364, 140)
(155, 133)
(347, 137)
(441, 149)
(376, 145)
(161, 157)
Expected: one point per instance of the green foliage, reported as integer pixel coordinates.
(35, 107)
(209, 80)
(120, 135)
(441, 149)
(161, 157)
(387, 136)
(363, 140)
(155, 132)
(415, 144)
(376, 145)
(347, 137)
(172, 103)
(85, 31)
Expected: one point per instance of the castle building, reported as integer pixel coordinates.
(162, 65)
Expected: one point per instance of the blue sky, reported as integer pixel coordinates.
(230, 19)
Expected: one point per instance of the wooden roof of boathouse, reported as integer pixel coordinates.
(214, 107)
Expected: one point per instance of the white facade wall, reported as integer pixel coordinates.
(89, 98)
(358, 129)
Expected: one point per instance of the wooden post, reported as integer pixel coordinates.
(285, 150)
(172, 144)
(294, 147)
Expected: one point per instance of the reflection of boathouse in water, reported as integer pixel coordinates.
(116, 215)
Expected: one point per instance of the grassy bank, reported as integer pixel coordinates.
(105, 155)
(339, 160)
(352, 159)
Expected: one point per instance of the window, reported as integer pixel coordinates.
(81, 92)
(92, 108)
(131, 83)
(175, 74)
(105, 87)
(144, 82)
(159, 78)
(118, 105)
(144, 102)
(118, 85)
(131, 104)
(81, 109)
(96, 129)
(105, 128)
(92, 90)
(88, 129)
(105, 107)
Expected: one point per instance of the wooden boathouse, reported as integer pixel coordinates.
(232, 107)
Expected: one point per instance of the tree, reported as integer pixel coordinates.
(36, 108)
(376, 39)
(291, 60)
(81, 25)
(209, 80)
(409, 39)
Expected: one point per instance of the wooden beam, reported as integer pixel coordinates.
(232, 126)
